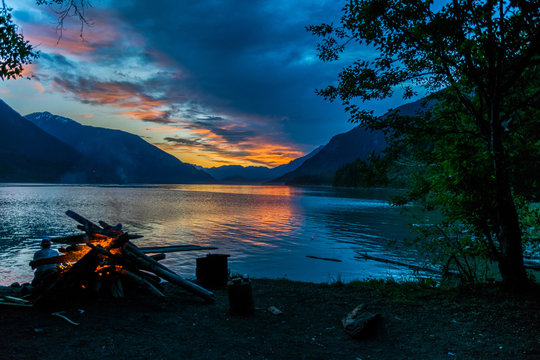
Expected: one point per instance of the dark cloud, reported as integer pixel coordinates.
(211, 147)
(180, 141)
(252, 56)
(58, 61)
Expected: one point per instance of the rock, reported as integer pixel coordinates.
(274, 310)
(361, 323)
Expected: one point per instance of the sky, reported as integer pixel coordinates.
(213, 82)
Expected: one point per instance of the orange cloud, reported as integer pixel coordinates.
(213, 150)
(121, 95)
(37, 85)
(162, 129)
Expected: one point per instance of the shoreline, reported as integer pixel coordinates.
(419, 321)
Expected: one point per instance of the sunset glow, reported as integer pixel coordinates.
(205, 92)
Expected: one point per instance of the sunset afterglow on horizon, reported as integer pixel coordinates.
(212, 83)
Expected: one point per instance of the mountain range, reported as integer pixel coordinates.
(47, 148)
(29, 154)
(256, 174)
(43, 147)
(132, 159)
(343, 149)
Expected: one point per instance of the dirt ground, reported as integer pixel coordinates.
(418, 323)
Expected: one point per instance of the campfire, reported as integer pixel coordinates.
(105, 259)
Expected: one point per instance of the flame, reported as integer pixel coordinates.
(97, 240)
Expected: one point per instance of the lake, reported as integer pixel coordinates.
(268, 230)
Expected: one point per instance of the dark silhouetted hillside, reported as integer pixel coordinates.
(132, 159)
(342, 149)
(29, 154)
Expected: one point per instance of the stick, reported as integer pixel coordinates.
(55, 260)
(149, 264)
(322, 258)
(84, 238)
(399, 263)
(88, 225)
(116, 288)
(23, 301)
(157, 257)
(14, 303)
(59, 314)
(71, 239)
(175, 248)
(141, 282)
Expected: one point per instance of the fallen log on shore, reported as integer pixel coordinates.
(399, 263)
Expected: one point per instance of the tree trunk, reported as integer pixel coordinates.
(509, 233)
(511, 263)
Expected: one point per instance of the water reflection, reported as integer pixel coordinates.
(267, 230)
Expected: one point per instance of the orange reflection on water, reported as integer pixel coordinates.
(278, 190)
(225, 213)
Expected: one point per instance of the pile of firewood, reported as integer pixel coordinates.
(104, 259)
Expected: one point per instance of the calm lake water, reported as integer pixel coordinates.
(268, 230)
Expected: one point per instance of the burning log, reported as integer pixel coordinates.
(76, 277)
(84, 238)
(55, 260)
(106, 259)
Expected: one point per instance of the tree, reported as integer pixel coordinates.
(15, 51)
(479, 61)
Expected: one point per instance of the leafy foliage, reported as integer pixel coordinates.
(480, 63)
(363, 173)
(15, 52)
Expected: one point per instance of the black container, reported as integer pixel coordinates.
(240, 297)
(212, 271)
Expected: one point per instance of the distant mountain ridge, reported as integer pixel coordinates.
(342, 149)
(256, 174)
(131, 159)
(29, 154)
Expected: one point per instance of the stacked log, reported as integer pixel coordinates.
(104, 259)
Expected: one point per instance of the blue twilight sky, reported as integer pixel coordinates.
(213, 82)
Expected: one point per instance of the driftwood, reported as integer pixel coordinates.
(322, 258)
(399, 263)
(158, 257)
(60, 314)
(361, 323)
(7, 302)
(105, 259)
(141, 282)
(83, 238)
(15, 301)
(147, 263)
(174, 248)
(54, 260)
